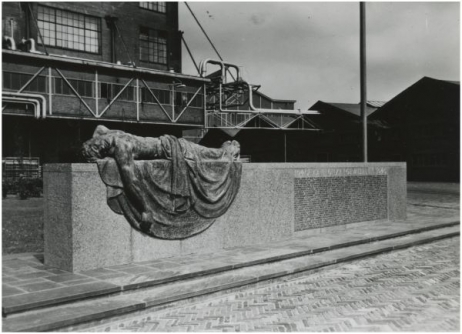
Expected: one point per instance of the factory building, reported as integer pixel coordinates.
(69, 66)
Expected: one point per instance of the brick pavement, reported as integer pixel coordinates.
(416, 289)
(28, 284)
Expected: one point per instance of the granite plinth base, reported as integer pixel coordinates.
(276, 201)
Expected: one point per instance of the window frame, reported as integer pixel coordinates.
(148, 41)
(68, 91)
(112, 92)
(153, 10)
(5, 83)
(99, 32)
(146, 97)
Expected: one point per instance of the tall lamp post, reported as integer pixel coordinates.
(362, 60)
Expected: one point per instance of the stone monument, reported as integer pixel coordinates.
(195, 185)
(181, 198)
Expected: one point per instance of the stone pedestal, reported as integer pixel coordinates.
(275, 201)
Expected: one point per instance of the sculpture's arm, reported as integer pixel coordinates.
(124, 157)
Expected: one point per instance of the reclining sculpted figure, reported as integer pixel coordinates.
(165, 187)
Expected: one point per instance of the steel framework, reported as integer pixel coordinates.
(43, 102)
(224, 94)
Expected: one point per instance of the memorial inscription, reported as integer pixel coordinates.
(339, 200)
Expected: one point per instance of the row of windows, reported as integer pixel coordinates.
(160, 7)
(84, 88)
(16, 81)
(69, 30)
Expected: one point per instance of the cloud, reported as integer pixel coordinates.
(309, 51)
(257, 19)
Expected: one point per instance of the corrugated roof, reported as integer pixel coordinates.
(409, 93)
(376, 104)
(352, 108)
(274, 100)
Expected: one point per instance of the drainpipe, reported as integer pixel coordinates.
(25, 8)
(38, 29)
(110, 21)
(12, 28)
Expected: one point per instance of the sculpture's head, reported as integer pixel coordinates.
(98, 146)
(233, 148)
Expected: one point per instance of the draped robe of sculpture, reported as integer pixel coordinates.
(186, 189)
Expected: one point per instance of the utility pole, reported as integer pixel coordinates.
(363, 84)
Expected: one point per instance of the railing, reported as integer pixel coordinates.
(145, 95)
(241, 120)
(16, 167)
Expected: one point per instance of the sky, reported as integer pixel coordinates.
(309, 51)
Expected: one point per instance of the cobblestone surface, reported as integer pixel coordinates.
(416, 289)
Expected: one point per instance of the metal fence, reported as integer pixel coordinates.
(16, 167)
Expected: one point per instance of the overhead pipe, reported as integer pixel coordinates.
(29, 45)
(223, 66)
(35, 103)
(90, 62)
(210, 41)
(29, 96)
(10, 40)
(253, 109)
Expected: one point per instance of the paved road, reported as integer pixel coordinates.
(416, 289)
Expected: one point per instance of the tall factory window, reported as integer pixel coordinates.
(153, 45)
(160, 7)
(69, 30)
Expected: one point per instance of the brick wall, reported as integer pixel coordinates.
(130, 18)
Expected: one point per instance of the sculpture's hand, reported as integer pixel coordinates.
(145, 217)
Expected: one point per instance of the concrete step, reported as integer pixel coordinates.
(101, 282)
(83, 312)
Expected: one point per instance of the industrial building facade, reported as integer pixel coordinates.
(423, 129)
(421, 126)
(68, 66)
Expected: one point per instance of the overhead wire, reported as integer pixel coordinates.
(190, 54)
(207, 36)
(200, 26)
(123, 43)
